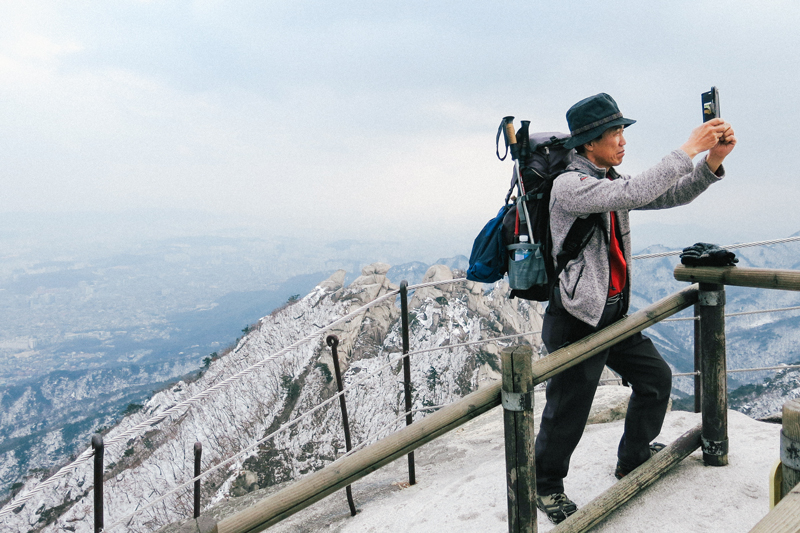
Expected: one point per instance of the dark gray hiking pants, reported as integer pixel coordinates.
(570, 395)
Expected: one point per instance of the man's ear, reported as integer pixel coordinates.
(589, 147)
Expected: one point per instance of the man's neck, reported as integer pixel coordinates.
(595, 163)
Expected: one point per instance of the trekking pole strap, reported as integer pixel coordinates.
(502, 131)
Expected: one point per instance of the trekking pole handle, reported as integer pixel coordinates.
(510, 134)
(511, 137)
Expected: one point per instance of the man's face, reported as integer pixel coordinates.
(609, 150)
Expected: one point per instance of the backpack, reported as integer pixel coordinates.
(539, 159)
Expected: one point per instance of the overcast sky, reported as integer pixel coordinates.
(371, 119)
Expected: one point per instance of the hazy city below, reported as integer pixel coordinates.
(92, 291)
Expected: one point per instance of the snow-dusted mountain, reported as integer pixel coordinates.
(756, 340)
(766, 400)
(153, 460)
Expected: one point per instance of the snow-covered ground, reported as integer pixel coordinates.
(461, 485)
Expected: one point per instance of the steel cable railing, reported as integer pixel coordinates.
(739, 370)
(741, 313)
(726, 247)
(175, 409)
(392, 424)
(306, 414)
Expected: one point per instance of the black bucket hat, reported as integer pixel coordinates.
(590, 117)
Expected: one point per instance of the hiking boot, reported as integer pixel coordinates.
(557, 506)
(620, 472)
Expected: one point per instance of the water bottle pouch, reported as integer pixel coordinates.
(526, 273)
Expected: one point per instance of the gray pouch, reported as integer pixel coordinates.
(527, 272)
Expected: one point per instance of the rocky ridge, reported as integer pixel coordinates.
(156, 459)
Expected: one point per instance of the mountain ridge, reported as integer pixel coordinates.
(440, 315)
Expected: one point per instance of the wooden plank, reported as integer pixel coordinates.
(764, 278)
(714, 376)
(346, 470)
(591, 514)
(784, 518)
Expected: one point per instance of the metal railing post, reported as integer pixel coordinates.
(333, 342)
(714, 441)
(412, 478)
(97, 446)
(198, 452)
(315, 486)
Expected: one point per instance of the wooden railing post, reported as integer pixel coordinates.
(345, 470)
(714, 441)
(783, 518)
(517, 400)
(698, 384)
(790, 446)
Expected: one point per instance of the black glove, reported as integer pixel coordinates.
(705, 254)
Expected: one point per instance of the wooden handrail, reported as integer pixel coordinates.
(784, 517)
(762, 278)
(591, 514)
(346, 470)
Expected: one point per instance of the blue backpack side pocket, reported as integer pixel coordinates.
(487, 261)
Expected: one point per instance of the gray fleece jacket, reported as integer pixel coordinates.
(584, 189)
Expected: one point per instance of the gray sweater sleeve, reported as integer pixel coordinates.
(688, 187)
(673, 181)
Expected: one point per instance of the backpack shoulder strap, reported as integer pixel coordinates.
(577, 238)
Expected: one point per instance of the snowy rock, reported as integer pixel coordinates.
(610, 403)
(335, 282)
(276, 385)
(434, 273)
(379, 269)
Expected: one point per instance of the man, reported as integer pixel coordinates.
(593, 290)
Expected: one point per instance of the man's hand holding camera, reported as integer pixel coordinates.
(716, 136)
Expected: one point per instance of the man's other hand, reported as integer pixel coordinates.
(717, 136)
(718, 153)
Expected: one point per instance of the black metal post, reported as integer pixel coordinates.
(333, 342)
(97, 446)
(198, 452)
(412, 478)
